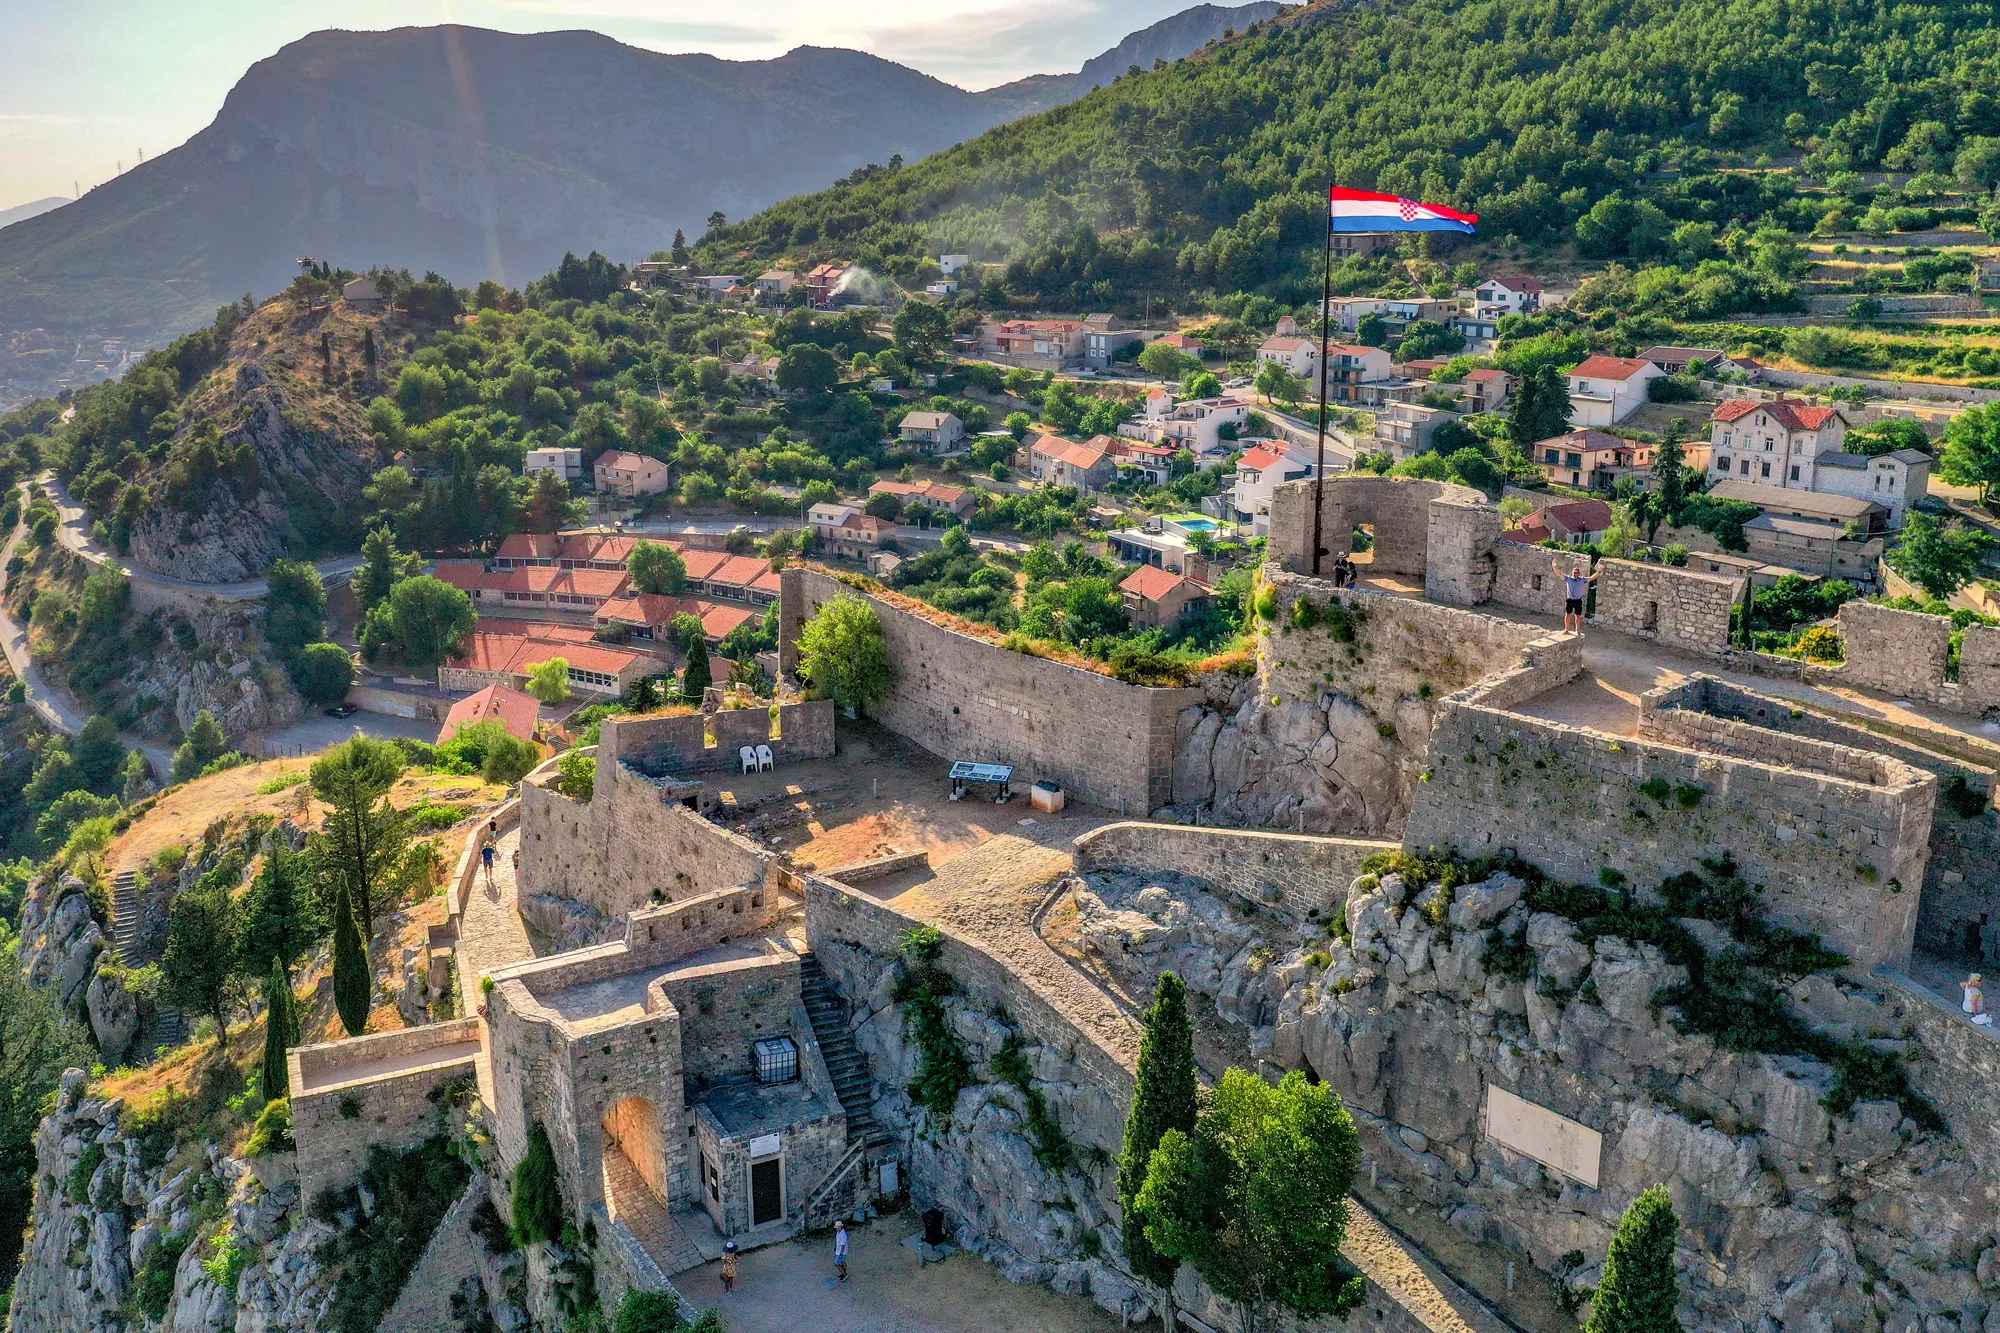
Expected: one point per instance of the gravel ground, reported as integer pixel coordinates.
(783, 1289)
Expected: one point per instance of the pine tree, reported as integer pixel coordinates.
(368, 348)
(205, 744)
(281, 1031)
(352, 984)
(276, 924)
(1164, 1099)
(1639, 1292)
(1669, 473)
(696, 677)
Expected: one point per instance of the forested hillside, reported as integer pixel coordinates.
(1206, 175)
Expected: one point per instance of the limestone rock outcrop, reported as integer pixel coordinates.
(1795, 1216)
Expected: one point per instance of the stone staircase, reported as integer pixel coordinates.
(128, 947)
(844, 1060)
(635, 1207)
(452, 1255)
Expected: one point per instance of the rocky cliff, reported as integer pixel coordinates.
(1795, 1215)
(124, 1240)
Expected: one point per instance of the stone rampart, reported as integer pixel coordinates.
(1682, 608)
(1839, 847)
(1440, 532)
(965, 698)
(1304, 877)
(703, 742)
(632, 844)
(1908, 653)
(675, 930)
(1524, 578)
(371, 1091)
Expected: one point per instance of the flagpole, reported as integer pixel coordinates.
(1325, 320)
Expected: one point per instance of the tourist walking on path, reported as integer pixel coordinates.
(1974, 1003)
(1576, 587)
(486, 855)
(728, 1267)
(840, 1250)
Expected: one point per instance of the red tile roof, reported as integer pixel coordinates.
(1152, 582)
(625, 460)
(1528, 534)
(1485, 373)
(1577, 516)
(514, 654)
(496, 703)
(1790, 414)
(1587, 440)
(530, 546)
(538, 629)
(1611, 368)
(1080, 456)
(1260, 459)
(702, 564)
(461, 574)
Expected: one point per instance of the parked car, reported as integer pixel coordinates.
(342, 710)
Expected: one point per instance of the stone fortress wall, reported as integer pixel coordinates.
(1304, 878)
(1907, 653)
(965, 698)
(704, 742)
(379, 1090)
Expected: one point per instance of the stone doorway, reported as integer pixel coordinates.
(635, 1150)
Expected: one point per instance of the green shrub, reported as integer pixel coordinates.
(153, 1284)
(273, 1131)
(943, 1070)
(228, 1256)
(648, 1312)
(84, 1168)
(1657, 788)
(537, 1196)
(1688, 796)
(371, 1262)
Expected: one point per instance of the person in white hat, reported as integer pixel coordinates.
(840, 1250)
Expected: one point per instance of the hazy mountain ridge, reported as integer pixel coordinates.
(481, 154)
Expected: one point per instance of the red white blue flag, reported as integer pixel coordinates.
(1359, 210)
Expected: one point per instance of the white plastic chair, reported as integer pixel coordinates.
(764, 759)
(749, 758)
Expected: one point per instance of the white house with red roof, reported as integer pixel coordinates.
(1298, 355)
(1061, 462)
(622, 472)
(1802, 446)
(1486, 389)
(1259, 472)
(1507, 294)
(1604, 390)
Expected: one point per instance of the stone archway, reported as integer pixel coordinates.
(635, 1151)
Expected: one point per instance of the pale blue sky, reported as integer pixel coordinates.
(86, 84)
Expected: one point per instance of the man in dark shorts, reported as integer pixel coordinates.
(1576, 587)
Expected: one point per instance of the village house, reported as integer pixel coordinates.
(1259, 472)
(950, 265)
(1506, 294)
(823, 281)
(1486, 389)
(1573, 521)
(521, 549)
(1104, 341)
(1848, 512)
(1409, 429)
(932, 432)
(1156, 598)
(1199, 425)
(565, 463)
(1054, 344)
(1298, 355)
(646, 615)
(517, 712)
(746, 578)
(1676, 360)
(776, 282)
(594, 669)
(621, 472)
(1154, 463)
(1799, 446)
(1347, 312)
(1604, 390)
(1349, 366)
(1061, 462)
(1590, 458)
(959, 500)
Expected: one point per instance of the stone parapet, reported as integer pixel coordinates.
(1301, 876)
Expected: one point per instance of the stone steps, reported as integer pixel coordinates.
(451, 1255)
(639, 1211)
(845, 1063)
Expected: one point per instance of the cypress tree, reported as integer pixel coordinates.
(276, 924)
(1638, 1292)
(1164, 1099)
(695, 677)
(281, 1031)
(351, 982)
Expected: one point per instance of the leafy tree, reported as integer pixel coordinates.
(353, 978)
(537, 1194)
(1939, 555)
(281, 1030)
(1166, 363)
(1887, 436)
(656, 567)
(1428, 338)
(1372, 331)
(362, 839)
(135, 777)
(808, 370)
(295, 608)
(425, 621)
(695, 675)
(1639, 1293)
(549, 505)
(843, 653)
(1165, 1097)
(549, 681)
(922, 331)
(683, 630)
(1020, 423)
(37, 1042)
(1255, 1197)
(507, 758)
(1972, 449)
(203, 745)
(323, 673)
(199, 970)
(276, 921)
(1201, 384)
(1276, 380)
(99, 758)
(648, 1312)
(382, 568)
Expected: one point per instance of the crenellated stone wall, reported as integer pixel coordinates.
(1908, 653)
(1304, 878)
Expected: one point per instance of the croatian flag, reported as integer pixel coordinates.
(1358, 210)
